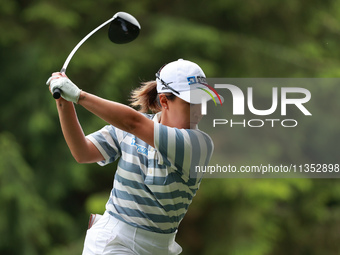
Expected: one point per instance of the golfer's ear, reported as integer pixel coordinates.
(163, 101)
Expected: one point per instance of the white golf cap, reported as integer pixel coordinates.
(187, 81)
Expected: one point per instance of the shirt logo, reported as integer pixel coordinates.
(140, 149)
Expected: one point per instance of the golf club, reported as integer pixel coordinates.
(124, 28)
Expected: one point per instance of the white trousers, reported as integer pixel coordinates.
(111, 236)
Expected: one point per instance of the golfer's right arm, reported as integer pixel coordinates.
(82, 149)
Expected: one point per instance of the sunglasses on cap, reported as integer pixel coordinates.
(158, 76)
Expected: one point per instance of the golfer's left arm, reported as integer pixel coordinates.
(116, 114)
(120, 116)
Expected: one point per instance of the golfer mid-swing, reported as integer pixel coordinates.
(152, 187)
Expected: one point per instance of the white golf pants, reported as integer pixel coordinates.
(111, 236)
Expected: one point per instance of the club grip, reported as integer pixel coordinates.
(56, 93)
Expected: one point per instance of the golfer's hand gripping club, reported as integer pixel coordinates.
(68, 90)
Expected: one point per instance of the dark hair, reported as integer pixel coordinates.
(145, 98)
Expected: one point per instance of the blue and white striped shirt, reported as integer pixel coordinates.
(152, 187)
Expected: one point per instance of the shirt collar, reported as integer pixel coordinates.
(157, 117)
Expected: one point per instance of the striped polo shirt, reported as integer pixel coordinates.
(153, 188)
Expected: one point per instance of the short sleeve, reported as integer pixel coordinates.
(107, 140)
(182, 149)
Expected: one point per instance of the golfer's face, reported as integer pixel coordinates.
(184, 114)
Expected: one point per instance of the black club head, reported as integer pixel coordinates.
(124, 28)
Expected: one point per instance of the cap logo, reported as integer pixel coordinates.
(197, 79)
(202, 80)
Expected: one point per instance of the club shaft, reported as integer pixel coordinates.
(67, 61)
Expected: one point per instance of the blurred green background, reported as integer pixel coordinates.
(46, 197)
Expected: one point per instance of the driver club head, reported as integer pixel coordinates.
(124, 28)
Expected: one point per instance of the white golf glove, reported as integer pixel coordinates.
(69, 91)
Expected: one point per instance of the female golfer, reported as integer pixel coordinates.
(155, 181)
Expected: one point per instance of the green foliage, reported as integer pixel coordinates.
(46, 197)
(23, 213)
